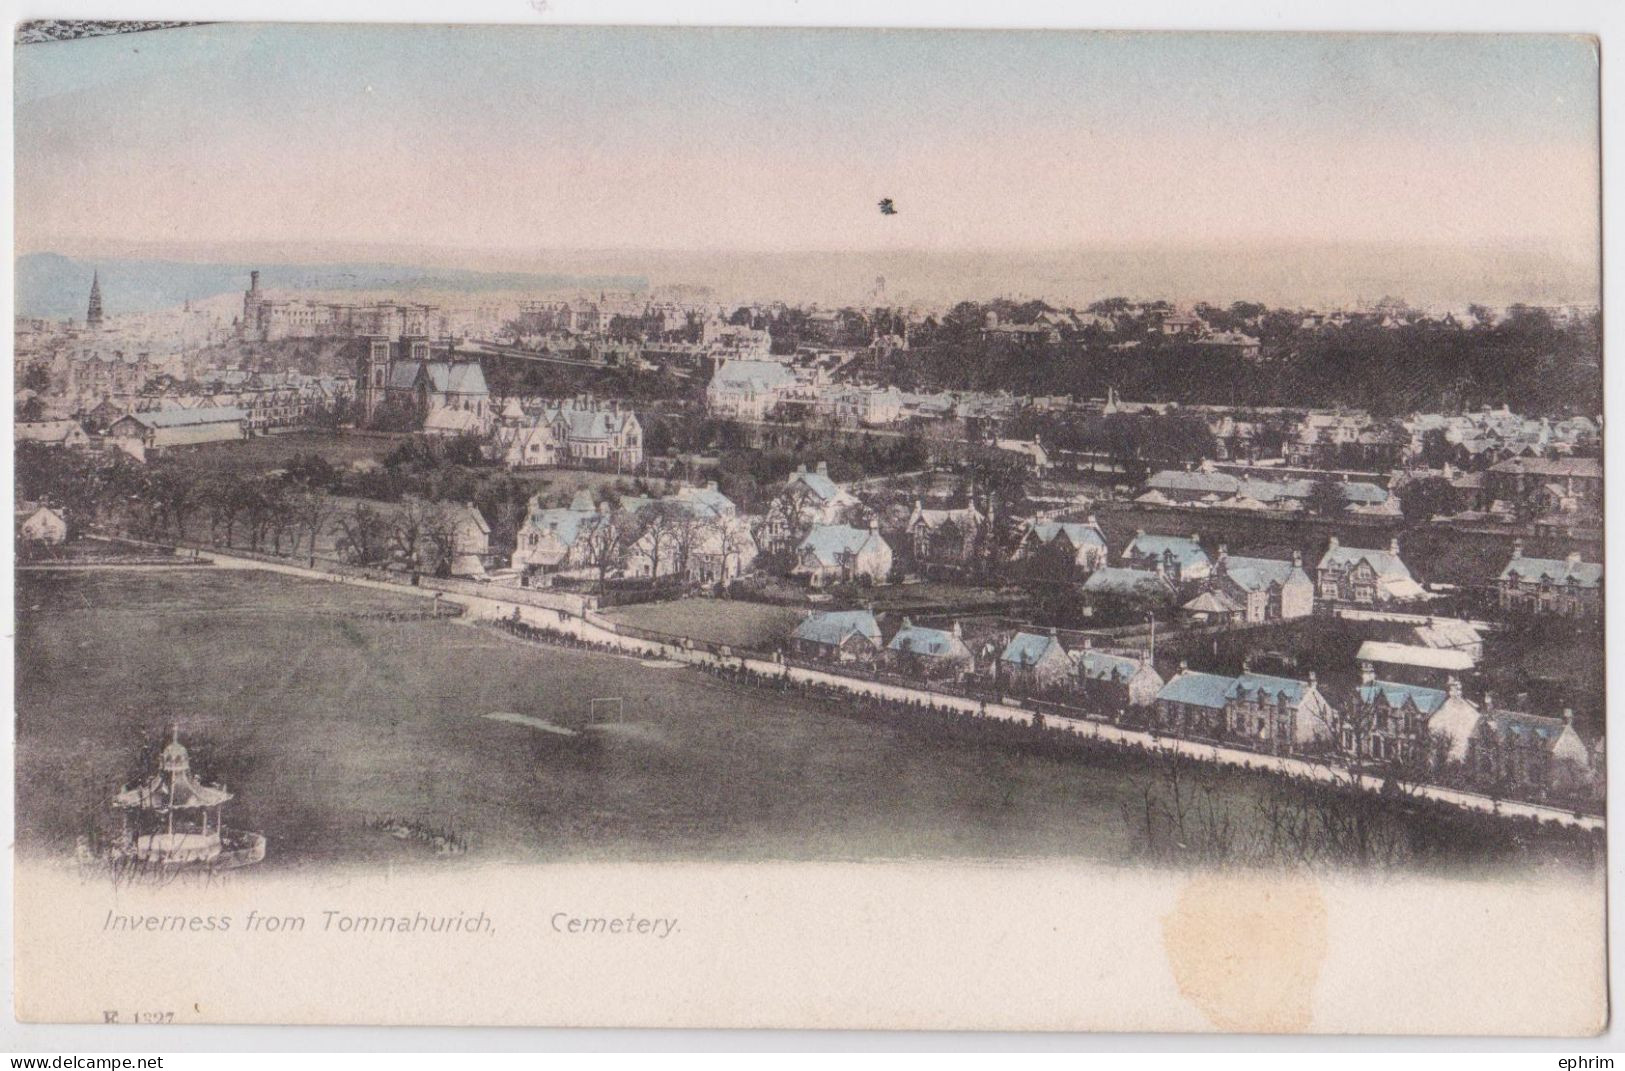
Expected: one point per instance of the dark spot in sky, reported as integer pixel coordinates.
(887, 208)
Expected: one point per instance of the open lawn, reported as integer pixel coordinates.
(320, 723)
(739, 624)
(248, 457)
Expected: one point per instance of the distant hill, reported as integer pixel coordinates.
(54, 286)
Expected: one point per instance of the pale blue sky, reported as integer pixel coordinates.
(783, 139)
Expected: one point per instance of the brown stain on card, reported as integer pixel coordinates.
(1248, 950)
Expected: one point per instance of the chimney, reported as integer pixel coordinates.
(1184, 666)
(253, 280)
(907, 623)
(1195, 538)
(1297, 559)
(1568, 716)
(1573, 557)
(1368, 674)
(801, 468)
(955, 629)
(1489, 701)
(823, 468)
(1331, 544)
(1454, 688)
(874, 524)
(1517, 548)
(1224, 551)
(1313, 680)
(1091, 522)
(1139, 533)
(1393, 546)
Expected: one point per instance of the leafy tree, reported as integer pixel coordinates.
(1326, 498)
(1423, 499)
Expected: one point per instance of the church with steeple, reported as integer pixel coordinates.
(93, 315)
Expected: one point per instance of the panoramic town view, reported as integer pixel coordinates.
(763, 555)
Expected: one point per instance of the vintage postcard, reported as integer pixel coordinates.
(914, 529)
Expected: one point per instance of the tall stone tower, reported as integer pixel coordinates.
(93, 315)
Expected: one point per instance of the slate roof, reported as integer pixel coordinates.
(1426, 700)
(568, 524)
(1387, 566)
(1197, 689)
(828, 541)
(1186, 551)
(832, 628)
(1404, 654)
(816, 482)
(1100, 666)
(1116, 580)
(1027, 648)
(1559, 571)
(182, 418)
(1212, 602)
(1448, 632)
(1217, 483)
(1583, 467)
(1078, 533)
(1271, 688)
(1511, 725)
(1257, 574)
(931, 642)
(757, 376)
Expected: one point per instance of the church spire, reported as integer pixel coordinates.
(93, 316)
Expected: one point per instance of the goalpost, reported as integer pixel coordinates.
(610, 706)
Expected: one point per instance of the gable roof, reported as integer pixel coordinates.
(1560, 571)
(1118, 580)
(833, 627)
(754, 376)
(1530, 729)
(1027, 648)
(1101, 666)
(817, 482)
(829, 541)
(180, 418)
(1404, 654)
(1212, 602)
(1387, 566)
(932, 642)
(567, 524)
(1257, 574)
(1426, 700)
(1077, 533)
(1270, 689)
(1185, 550)
(1197, 689)
(1448, 632)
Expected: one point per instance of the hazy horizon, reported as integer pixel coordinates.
(1310, 274)
(1295, 168)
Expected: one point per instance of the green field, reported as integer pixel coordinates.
(248, 457)
(739, 624)
(320, 723)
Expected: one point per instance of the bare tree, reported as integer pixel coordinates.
(608, 540)
(364, 534)
(411, 528)
(441, 541)
(313, 507)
